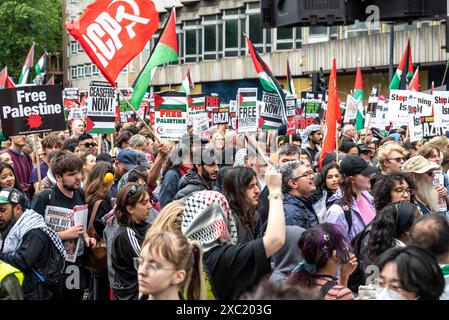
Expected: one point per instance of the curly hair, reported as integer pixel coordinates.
(388, 225)
(382, 189)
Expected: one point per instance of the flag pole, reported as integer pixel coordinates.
(445, 73)
(38, 165)
(112, 145)
(138, 115)
(336, 142)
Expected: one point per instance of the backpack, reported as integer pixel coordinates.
(327, 287)
(358, 277)
(346, 211)
(49, 272)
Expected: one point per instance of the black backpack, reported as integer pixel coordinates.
(358, 277)
(346, 211)
(50, 271)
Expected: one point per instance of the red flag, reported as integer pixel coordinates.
(333, 106)
(113, 32)
(3, 77)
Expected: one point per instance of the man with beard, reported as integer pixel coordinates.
(66, 193)
(201, 177)
(313, 136)
(298, 185)
(422, 172)
(27, 246)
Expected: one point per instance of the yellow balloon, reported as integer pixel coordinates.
(108, 178)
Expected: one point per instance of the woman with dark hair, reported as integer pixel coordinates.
(241, 190)
(324, 249)
(122, 141)
(390, 228)
(97, 189)
(393, 188)
(132, 209)
(349, 147)
(409, 273)
(8, 177)
(327, 184)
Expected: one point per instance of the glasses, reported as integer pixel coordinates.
(90, 144)
(148, 267)
(307, 174)
(402, 191)
(398, 159)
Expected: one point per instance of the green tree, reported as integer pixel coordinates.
(25, 21)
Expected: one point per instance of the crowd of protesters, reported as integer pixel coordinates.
(225, 217)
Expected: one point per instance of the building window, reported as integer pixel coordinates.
(73, 47)
(360, 29)
(318, 34)
(80, 71)
(95, 70)
(212, 37)
(233, 25)
(192, 41)
(80, 48)
(87, 70)
(284, 38)
(73, 72)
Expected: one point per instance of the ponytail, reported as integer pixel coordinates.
(195, 287)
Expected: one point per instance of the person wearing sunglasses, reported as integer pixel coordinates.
(391, 157)
(87, 144)
(422, 171)
(132, 209)
(298, 186)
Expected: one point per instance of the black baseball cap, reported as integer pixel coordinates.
(14, 196)
(353, 165)
(363, 148)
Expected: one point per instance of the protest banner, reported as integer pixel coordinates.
(415, 128)
(271, 111)
(247, 111)
(441, 108)
(201, 127)
(351, 109)
(380, 119)
(233, 114)
(60, 219)
(372, 101)
(220, 115)
(430, 130)
(170, 114)
(403, 103)
(71, 98)
(311, 104)
(196, 108)
(290, 105)
(29, 110)
(101, 108)
(77, 113)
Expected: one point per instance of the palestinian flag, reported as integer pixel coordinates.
(196, 108)
(41, 66)
(165, 50)
(187, 82)
(3, 77)
(414, 83)
(27, 66)
(170, 114)
(51, 82)
(290, 83)
(266, 78)
(359, 94)
(400, 78)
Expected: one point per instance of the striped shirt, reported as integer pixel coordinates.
(337, 292)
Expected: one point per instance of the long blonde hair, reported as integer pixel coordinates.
(169, 219)
(184, 254)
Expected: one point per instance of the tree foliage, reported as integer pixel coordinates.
(25, 21)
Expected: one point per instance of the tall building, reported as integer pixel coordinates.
(211, 41)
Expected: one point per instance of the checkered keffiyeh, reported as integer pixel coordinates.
(207, 218)
(56, 241)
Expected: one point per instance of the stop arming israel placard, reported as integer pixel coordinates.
(441, 108)
(415, 128)
(27, 110)
(101, 108)
(404, 103)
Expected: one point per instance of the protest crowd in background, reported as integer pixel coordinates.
(118, 195)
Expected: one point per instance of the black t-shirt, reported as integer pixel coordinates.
(45, 198)
(236, 269)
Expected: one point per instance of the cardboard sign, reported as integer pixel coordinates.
(311, 104)
(271, 111)
(291, 105)
(351, 109)
(372, 100)
(28, 110)
(415, 129)
(196, 108)
(247, 111)
(430, 130)
(171, 114)
(103, 100)
(403, 103)
(380, 119)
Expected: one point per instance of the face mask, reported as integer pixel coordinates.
(388, 294)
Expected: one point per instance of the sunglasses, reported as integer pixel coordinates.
(398, 159)
(90, 144)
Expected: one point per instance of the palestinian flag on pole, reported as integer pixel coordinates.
(41, 68)
(27, 66)
(290, 83)
(3, 77)
(400, 78)
(187, 82)
(359, 94)
(414, 83)
(266, 78)
(10, 83)
(165, 50)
